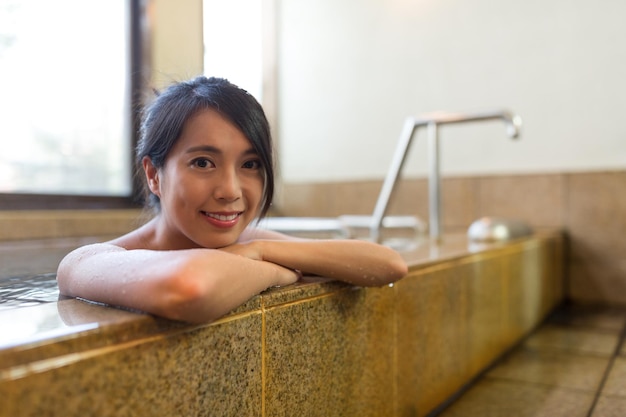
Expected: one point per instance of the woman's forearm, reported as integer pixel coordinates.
(354, 261)
(198, 285)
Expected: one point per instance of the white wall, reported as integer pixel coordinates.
(350, 71)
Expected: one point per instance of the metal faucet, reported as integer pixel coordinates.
(432, 121)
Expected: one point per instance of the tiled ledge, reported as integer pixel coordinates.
(55, 224)
(315, 348)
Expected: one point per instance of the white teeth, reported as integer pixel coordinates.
(222, 217)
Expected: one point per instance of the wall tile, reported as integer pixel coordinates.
(536, 199)
(596, 217)
(597, 282)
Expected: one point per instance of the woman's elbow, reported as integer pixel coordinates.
(395, 270)
(400, 269)
(186, 299)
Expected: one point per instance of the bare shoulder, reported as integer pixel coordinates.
(84, 254)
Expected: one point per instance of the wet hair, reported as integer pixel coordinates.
(163, 121)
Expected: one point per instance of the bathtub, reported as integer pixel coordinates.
(400, 349)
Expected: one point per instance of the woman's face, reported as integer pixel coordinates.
(210, 186)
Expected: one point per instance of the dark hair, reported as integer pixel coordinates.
(165, 117)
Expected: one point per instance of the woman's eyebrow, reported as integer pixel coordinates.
(203, 148)
(213, 149)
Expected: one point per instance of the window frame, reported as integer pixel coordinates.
(137, 76)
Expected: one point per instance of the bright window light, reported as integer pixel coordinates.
(64, 97)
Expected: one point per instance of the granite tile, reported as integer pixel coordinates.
(307, 287)
(559, 369)
(524, 290)
(331, 355)
(609, 407)
(486, 313)
(499, 398)
(213, 370)
(567, 339)
(433, 341)
(615, 385)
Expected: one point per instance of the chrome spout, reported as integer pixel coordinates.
(432, 121)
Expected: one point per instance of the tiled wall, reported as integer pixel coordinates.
(589, 206)
(59, 224)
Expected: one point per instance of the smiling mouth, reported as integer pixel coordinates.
(222, 217)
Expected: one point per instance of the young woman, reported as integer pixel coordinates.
(206, 155)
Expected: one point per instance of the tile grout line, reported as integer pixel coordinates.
(263, 358)
(607, 371)
(396, 400)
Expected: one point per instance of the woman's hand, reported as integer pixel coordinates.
(250, 250)
(254, 250)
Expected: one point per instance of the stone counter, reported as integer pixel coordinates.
(315, 348)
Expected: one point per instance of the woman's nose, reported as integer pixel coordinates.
(228, 187)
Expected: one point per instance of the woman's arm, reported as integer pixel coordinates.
(355, 261)
(197, 285)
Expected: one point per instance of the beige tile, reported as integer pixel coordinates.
(568, 339)
(610, 407)
(597, 281)
(536, 199)
(459, 203)
(358, 197)
(331, 355)
(615, 383)
(41, 224)
(304, 200)
(597, 225)
(214, 370)
(433, 358)
(550, 368)
(596, 221)
(498, 398)
(410, 198)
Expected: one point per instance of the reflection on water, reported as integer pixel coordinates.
(28, 291)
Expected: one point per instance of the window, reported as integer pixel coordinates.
(65, 97)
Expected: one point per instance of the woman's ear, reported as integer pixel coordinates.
(152, 176)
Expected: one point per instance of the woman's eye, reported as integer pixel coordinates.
(252, 164)
(201, 163)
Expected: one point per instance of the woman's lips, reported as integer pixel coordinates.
(223, 220)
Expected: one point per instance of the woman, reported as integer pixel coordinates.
(206, 154)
